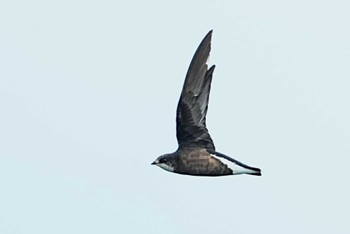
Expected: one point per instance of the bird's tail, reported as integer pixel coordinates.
(236, 166)
(241, 168)
(253, 171)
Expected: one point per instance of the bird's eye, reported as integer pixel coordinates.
(164, 160)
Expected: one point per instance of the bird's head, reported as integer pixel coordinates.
(166, 162)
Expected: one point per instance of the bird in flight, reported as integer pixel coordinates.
(196, 154)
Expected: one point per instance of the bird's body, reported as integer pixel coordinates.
(201, 162)
(196, 153)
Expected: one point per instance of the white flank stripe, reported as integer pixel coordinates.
(237, 169)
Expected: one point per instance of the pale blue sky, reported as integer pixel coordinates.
(88, 91)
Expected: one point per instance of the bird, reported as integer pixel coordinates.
(196, 154)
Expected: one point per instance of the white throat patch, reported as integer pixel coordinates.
(165, 167)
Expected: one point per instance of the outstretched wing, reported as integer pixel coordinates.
(193, 104)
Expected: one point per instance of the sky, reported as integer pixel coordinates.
(88, 95)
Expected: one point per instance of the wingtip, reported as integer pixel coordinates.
(211, 69)
(207, 38)
(209, 34)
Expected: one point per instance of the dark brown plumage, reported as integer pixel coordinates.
(196, 153)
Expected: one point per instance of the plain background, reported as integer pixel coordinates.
(88, 92)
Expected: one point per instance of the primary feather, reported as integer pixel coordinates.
(193, 104)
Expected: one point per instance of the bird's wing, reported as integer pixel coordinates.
(193, 104)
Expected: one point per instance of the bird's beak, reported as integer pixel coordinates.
(155, 162)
